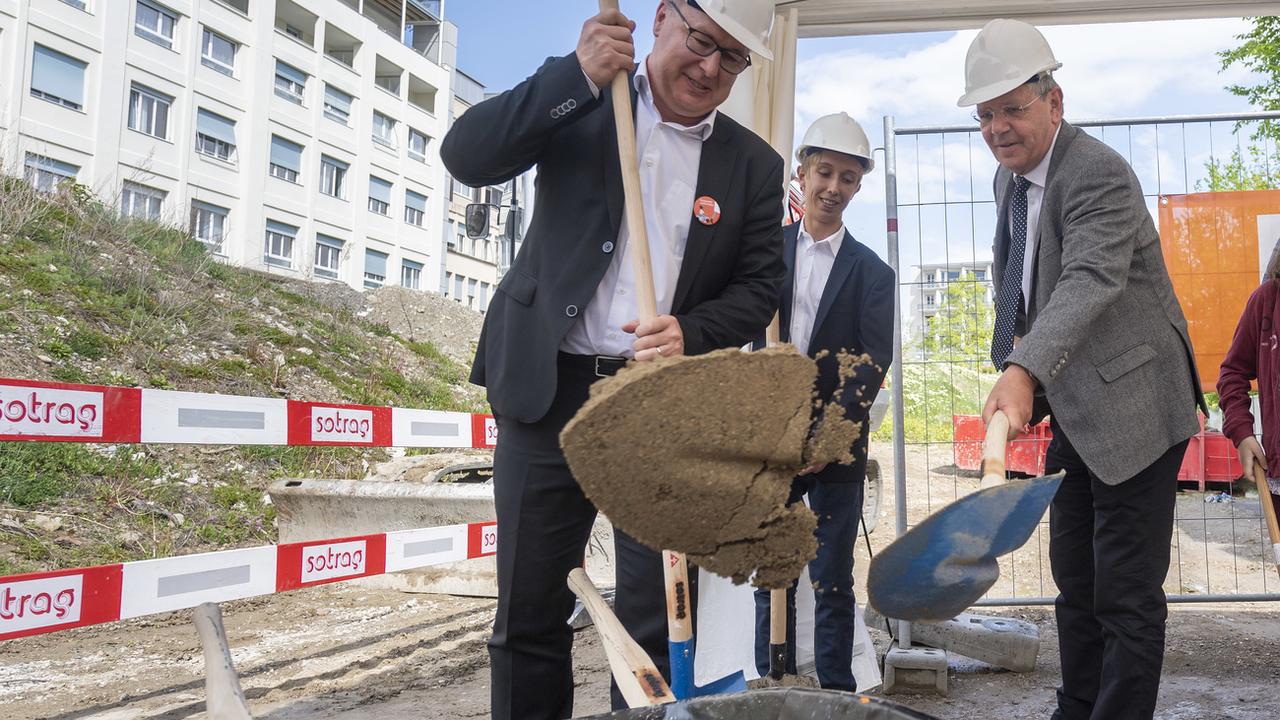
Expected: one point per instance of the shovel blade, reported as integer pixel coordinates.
(940, 567)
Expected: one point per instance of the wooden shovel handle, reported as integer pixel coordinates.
(675, 571)
(637, 235)
(638, 680)
(993, 450)
(1268, 511)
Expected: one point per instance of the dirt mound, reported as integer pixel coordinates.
(426, 317)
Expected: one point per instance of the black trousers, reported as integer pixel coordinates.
(1109, 549)
(838, 505)
(544, 521)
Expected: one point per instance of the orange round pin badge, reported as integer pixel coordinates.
(707, 210)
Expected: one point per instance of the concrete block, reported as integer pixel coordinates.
(1001, 642)
(914, 669)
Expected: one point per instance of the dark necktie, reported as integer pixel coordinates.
(1009, 299)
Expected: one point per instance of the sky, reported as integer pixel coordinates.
(1122, 70)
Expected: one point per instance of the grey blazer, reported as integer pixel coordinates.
(1105, 337)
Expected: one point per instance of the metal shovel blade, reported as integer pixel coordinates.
(940, 567)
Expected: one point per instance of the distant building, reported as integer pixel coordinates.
(474, 267)
(930, 286)
(297, 137)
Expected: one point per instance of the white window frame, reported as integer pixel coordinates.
(372, 281)
(337, 183)
(286, 89)
(277, 248)
(206, 55)
(135, 197)
(155, 34)
(48, 96)
(209, 226)
(421, 156)
(44, 178)
(379, 207)
(414, 216)
(463, 191)
(410, 277)
(281, 172)
(334, 113)
(215, 148)
(389, 138)
(325, 251)
(141, 97)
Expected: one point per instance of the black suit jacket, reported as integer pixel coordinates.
(854, 314)
(728, 285)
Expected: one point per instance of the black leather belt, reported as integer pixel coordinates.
(600, 365)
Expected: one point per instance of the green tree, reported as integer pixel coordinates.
(961, 330)
(1259, 53)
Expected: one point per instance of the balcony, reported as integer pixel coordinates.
(340, 46)
(296, 22)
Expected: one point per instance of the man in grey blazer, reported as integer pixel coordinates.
(1088, 331)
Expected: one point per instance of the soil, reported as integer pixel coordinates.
(748, 429)
(353, 653)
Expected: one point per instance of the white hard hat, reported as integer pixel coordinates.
(1004, 55)
(840, 133)
(747, 21)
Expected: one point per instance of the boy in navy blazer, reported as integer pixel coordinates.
(837, 295)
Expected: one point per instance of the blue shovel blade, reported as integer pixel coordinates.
(682, 686)
(940, 567)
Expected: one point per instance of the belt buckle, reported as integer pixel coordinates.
(600, 373)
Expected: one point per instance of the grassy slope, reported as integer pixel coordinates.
(91, 298)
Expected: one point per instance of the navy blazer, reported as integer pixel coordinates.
(727, 289)
(854, 314)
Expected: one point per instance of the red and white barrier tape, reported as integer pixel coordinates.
(39, 603)
(47, 411)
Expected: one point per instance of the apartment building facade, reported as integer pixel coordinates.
(929, 288)
(298, 138)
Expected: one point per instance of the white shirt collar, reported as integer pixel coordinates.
(1040, 174)
(834, 240)
(702, 129)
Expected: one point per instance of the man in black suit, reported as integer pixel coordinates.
(564, 315)
(838, 295)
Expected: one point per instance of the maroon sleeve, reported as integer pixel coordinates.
(1240, 366)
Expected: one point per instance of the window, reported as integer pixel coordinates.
(493, 195)
(333, 177)
(379, 196)
(140, 201)
(389, 82)
(457, 287)
(337, 105)
(448, 281)
(471, 293)
(209, 225)
(215, 136)
(286, 159)
(484, 296)
(463, 191)
(328, 256)
(415, 208)
(411, 275)
(291, 83)
(384, 129)
(154, 23)
(77, 4)
(46, 174)
(929, 300)
(417, 145)
(375, 268)
(279, 244)
(218, 52)
(57, 78)
(149, 111)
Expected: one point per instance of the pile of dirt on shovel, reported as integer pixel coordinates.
(697, 454)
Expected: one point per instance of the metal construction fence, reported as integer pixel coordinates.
(1204, 180)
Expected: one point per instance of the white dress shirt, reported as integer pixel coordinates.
(1035, 198)
(810, 271)
(669, 155)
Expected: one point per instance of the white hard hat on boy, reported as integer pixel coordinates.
(747, 21)
(1004, 55)
(840, 133)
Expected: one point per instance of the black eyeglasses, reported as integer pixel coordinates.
(701, 44)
